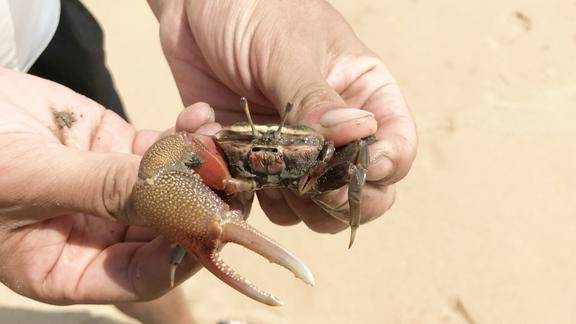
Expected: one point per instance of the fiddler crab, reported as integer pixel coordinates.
(185, 181)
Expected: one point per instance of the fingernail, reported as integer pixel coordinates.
(211, 113)
(212, 116)
(209, 129)
(343, 115)
(203, 108)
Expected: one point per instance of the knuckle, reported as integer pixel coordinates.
(379, 202)
(404, 158)
(314, 100)
(117, 185)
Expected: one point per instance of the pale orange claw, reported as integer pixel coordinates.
(173, 199)
(243, 234)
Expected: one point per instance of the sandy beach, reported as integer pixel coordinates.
(484, 227)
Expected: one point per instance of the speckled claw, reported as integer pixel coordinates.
(172, 198)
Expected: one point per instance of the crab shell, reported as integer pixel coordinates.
(271, 159)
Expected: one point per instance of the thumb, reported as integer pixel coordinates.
(40, 179)
(95, 183)
(58, 180)
(318, 105)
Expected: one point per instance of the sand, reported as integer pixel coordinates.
(483, 230)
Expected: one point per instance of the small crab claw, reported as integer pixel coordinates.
(172, 198)
(243, 234)
(308, 182)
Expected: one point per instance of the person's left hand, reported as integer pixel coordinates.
(302, 51)
(64, 182)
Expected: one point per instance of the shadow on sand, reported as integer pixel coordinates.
(28, 316)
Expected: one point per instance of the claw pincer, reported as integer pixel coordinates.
(173, 198)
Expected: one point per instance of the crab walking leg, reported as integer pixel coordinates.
(354, 201)
(178, 254)
(341, 213)
(357, 179)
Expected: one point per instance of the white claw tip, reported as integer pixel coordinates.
(307, 276)
(275, 301)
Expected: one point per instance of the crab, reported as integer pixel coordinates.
(185, 183)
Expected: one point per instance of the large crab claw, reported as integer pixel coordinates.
(172, 198)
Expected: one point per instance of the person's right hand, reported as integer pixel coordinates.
(302, 51)
(62, 186)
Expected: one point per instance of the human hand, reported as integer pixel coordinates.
(301, 51)
(63, 183)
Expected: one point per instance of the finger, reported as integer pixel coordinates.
(194, 116)
(317, 104)
(144, 139)
(198, 116)
(332, 118)
(99, 183)
(343, 126)
(140, 234)
(209, 129)
(56, 179)
(60, 179)
(376, 200)
(190, 119)
(312, 215)
(392, 155)
(131, 272)
(276, 208)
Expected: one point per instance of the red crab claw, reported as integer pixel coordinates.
(170, 197)
(213, 168)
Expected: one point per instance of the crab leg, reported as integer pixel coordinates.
(358, 173)
(346, 166)
(178, 254)
(309, 181)
(172, 198)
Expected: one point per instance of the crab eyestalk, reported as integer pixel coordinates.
(287, 111)
(170, 197)
(244, 105)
